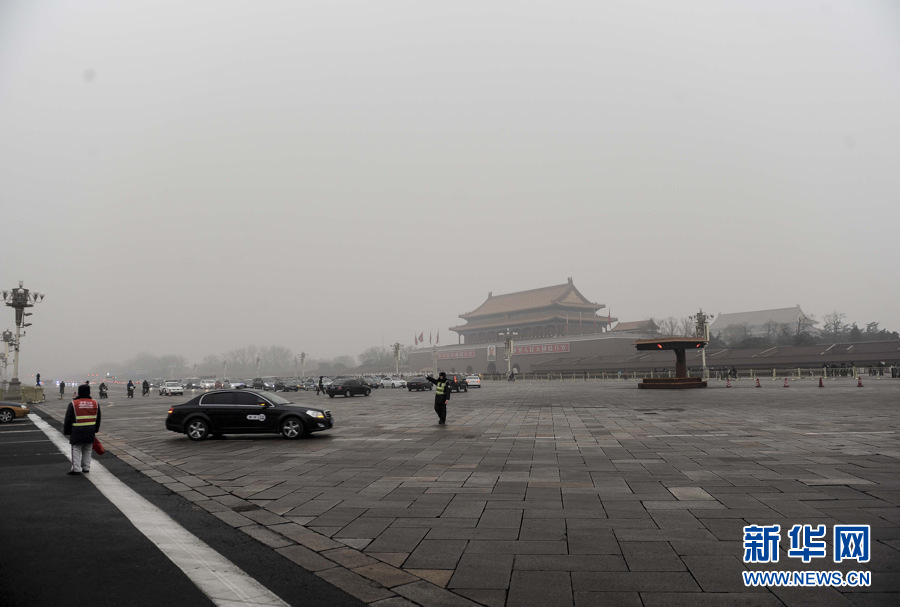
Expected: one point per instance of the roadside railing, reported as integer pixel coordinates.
(793, 373)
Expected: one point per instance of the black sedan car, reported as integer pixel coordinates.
(418, 383)
(457, 382)
(286, 385)
(245, 412)
(348, 387)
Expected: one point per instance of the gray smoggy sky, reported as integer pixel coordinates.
(194, 177)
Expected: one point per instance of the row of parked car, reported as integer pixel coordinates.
(352, 386)
(346, 386)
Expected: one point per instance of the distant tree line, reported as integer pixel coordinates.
(249, 362)
(801, 333)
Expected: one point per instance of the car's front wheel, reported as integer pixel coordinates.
(348, 394)
(367, 392)
(6, 416)
(292, 428)
(197, 429)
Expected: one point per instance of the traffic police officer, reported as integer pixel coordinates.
(441, 395)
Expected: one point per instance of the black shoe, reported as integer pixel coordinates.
(73, 472)
(85, 471)
(441, 422)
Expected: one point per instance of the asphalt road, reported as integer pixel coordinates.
(63, 543)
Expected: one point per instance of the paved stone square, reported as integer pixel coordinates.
(552, 492)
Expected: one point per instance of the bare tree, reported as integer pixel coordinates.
(805, 323)
(686, 327)
(377, 357)
(668, 326)
(772, 328)
(834, 323)
(734, 335)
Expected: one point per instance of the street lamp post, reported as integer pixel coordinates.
(508, 343)
(303, 364)
(396, 348)
(19, 299)
(702, 330)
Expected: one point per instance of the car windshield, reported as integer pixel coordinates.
(172, 383)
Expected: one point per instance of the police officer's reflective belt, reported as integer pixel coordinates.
(440, 388)
(85, 420)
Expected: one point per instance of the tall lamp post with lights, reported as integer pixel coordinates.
(703, 331)
(396, 348)
(508, 343)
(19, 299)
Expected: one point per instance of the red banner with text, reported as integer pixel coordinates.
(456, 354)
(541, 349)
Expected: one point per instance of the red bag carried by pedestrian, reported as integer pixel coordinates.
(98, 447)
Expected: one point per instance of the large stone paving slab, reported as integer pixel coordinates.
(553, 492)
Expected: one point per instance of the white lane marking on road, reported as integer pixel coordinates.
(217, 577)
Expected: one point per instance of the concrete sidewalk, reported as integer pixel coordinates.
(551, 493)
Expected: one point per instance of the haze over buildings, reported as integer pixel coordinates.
(191, 178)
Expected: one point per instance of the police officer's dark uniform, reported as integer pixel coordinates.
(441, 395)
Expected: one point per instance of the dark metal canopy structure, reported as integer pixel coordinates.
(679, 345)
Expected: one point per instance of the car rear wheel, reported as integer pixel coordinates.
(197, 429)
(7, 415)
(292, 428)
(367, 392)
(348, 394)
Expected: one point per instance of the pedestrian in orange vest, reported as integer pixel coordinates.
(81, 424)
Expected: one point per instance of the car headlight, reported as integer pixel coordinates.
(317, 414)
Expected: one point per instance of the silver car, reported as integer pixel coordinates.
(393, 382)
(171, 388)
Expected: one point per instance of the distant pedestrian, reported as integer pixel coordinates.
(62, 389)
(441, 395)
(130, 388)
(320, 387)
(81, 423)
(38, 380)
(145, 388)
